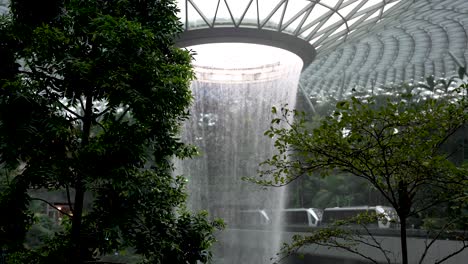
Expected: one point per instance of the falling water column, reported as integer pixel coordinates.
(231, 112)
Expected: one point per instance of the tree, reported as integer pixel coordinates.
(335, 189)
(395, 144)
(91, 100)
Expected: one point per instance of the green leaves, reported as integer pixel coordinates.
(273, 110)
(397, 144)
(14, 200)
(342, 105)
(96, 111)
(140, 212)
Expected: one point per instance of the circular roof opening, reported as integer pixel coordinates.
(241, 62)
(301, 26)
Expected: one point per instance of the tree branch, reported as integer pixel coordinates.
(123, 114)
(465, 245)
(51, 205)
(69, 110)
(69, 199)
(378, 244)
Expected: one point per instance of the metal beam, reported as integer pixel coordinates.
(298, 46)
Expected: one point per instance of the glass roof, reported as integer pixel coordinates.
(3, 6)
(416, 40)
(240, 55)
(213, 64)
(360, 44)
(320, 22)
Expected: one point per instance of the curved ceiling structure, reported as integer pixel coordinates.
(416, 39)
(249, 35)
(324, 24)
(357, 43)
(349, 43)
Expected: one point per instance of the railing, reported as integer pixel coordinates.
(381, 232)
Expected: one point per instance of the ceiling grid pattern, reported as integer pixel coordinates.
(323, 23)
(359, 43)
(418, 39)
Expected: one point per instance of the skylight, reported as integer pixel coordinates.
(237, 61)
(327, 17)
(239, 55)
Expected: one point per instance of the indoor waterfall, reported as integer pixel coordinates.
(230, 113)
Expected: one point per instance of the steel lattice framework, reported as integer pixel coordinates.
(358, 43)
(345, 43)
(324, 24)
(418, 39)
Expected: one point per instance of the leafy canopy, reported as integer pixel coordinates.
(92, 94)
(395, 143)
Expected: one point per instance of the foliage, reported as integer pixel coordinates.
(341, 236)
(335, 189)
(92, 96)
(44, 226)
(395, 143)
(14, 200)
(331, 191)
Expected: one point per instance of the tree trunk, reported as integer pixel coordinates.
(404, 245)
(76, 255)
(404, 208)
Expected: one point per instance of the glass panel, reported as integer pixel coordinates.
(389, 6)
(307, 32)
(333, 22)
(266, 7)
(341, 31)
(374, 15)
(294, 12)
(348, 9)
(208, 7)
(238, 7)
(295, 218)
(354, 20)
(294, 6)
(371, 3)
(195, 19)
(291, 28)
(319, 14)
(273, 22)
(250, 19)
(330, 3)
(223, 16)
(314, 38)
